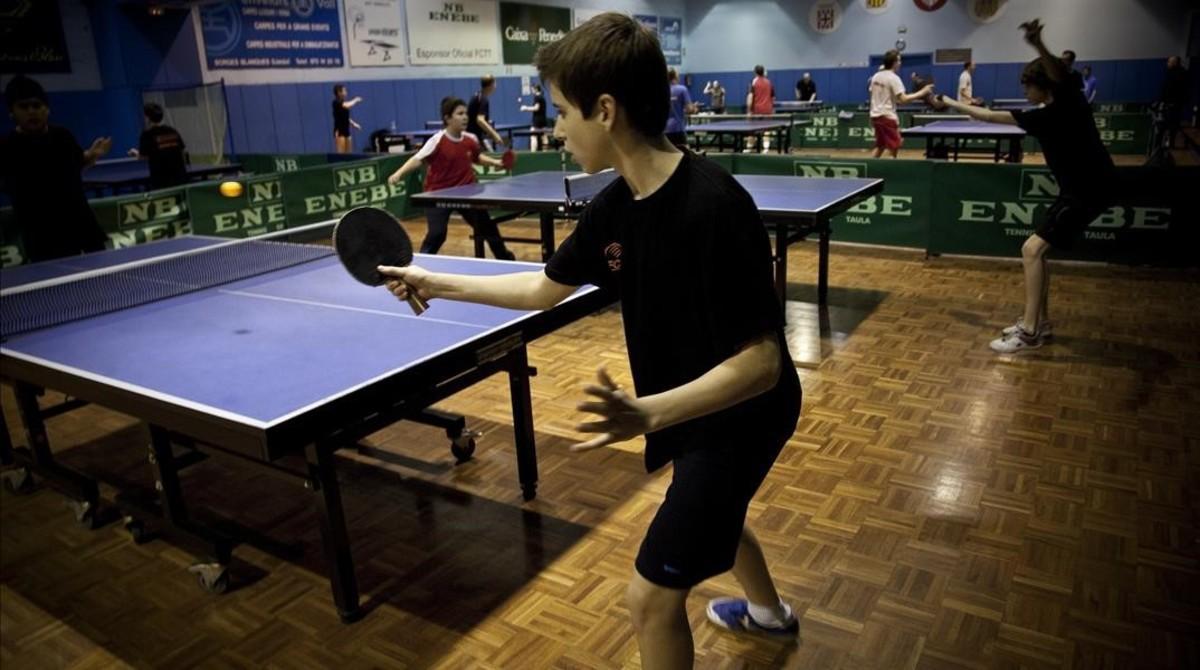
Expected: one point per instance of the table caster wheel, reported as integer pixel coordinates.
(137, 530)
(463, 446)
(84, 513)
(18, 480)
(212, 577)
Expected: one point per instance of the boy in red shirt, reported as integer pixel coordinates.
(450, 156)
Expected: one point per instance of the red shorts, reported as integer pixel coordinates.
(887, 132)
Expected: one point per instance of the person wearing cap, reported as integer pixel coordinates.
(41, 166)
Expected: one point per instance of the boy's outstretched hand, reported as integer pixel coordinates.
(623, 416)
(100, 147)
(1033, 31)
(403, 279)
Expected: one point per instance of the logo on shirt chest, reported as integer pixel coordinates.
(612, 256)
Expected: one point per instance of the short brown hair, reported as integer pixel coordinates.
(153, 111)
(449, 104)
(1035, 74)
(486, 80)
(890, 58)
(614, 54)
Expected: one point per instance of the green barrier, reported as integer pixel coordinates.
(990, 210)
(1124, 133)
(1119, 107)
(539, 161)
(144, 217)
(897, 217)
(12, 252)
(327, 192)
(272, 163)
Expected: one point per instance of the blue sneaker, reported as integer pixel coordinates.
(734, 614)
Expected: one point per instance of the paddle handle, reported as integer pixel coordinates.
(416, 302)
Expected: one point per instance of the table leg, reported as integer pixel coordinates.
(823, 266)
(83, 490)
(522, 406)
(322, 481)
(781, 235)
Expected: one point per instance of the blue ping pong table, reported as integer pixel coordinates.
(947, 139)
(795, 207)
(122, 175)
(413, 138)
(732, 134)
(276, 370)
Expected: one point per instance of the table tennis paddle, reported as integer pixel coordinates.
(508, 159)
(368, 237)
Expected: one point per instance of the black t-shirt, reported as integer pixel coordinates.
(41, 172)
(807, 89)
(341, 118)
(539, 113)
(1067, 132)
(1176, 88)
(162, 147)
(1077, 79)
(692, 266)
(478, 105)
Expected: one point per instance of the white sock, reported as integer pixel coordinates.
(770, 617)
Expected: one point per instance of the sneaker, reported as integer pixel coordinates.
(1017, 342)
(734, 614)
(1045, 329)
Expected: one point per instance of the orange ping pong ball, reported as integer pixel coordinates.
(230, 189)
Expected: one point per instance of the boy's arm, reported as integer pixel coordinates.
(487, 128)
(519, 290)
(753, 370)
(100, 147)
(913, 97)
(484, 159)
(411, 165)
(977, 113)
(1055, 68)
(350, 103)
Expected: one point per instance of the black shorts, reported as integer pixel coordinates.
(1066, 219)
(696, 532)
(342, 132)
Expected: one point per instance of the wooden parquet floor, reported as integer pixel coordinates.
(937, 507)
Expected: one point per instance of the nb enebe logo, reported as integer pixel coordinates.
(1038, 185)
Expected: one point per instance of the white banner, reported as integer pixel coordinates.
(462, 32)
(374, 32)
(582, 15)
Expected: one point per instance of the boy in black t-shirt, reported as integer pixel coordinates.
(682, 244)
(41, 167)
(162, 146)
(479, 113)
(1075, 155)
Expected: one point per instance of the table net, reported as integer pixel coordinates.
(83, 295)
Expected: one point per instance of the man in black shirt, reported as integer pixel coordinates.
(715, 393)
(41, 167)
(538, 120)
(163, 148)
(479, 110)
(1174, 98)
(1065, 128)
(806, 88)
(1068, 60)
